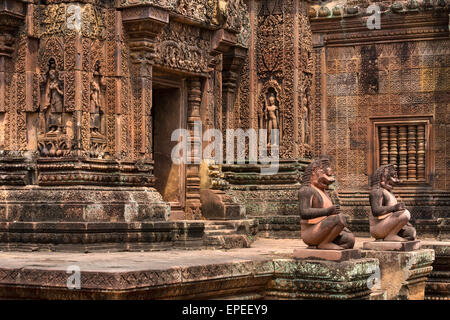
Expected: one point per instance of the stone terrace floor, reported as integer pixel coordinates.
(262, 249)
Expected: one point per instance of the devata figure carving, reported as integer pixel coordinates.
(52, 99)
(306, 121)
(97, 84)
(271, 116)
(321, 224)
(389, 219)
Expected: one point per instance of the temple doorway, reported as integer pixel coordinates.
(168, 114)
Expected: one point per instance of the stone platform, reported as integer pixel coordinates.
(392, 245)
(328, 255)
(266, 270)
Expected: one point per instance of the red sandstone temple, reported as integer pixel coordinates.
(91, 92)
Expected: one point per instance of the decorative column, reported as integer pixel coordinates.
(384, 145)
(421, 152)
(393, 152)
(142, 26)
(403, 153)
(412, 153)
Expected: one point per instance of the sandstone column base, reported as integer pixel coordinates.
(402, 274)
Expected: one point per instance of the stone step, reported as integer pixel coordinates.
(176, 215)
(223, 232)
(228, 242)
(217, 227)
(176, 212)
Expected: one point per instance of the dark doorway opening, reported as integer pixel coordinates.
(167, 116)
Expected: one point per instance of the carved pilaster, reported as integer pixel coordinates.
(142, 25)
(193, 167)
(232, 64)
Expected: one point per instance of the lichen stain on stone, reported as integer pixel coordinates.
(131, 211)
(427, 80)
(93, 212)
(368, 77)
(404, 52)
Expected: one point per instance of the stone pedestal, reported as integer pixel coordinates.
(402, 274)
(392, 245)
(315, 279)
(329, 255)
(438, 283)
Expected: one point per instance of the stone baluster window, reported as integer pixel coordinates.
(404, 143)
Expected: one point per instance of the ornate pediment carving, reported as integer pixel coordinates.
(181, 47)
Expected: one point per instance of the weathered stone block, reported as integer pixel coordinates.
(314, 279)
(216, 204)
(402, 274)
(438, 283)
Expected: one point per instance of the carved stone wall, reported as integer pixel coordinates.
(274, 92)
(76, 89)
(397, 75)
(410, 79)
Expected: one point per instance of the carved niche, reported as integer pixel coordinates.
(270, 115)
(307, 117)
(270, 68)
(96, 113)
(54, 138)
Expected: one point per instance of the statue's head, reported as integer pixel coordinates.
(319, 174)
(97, 67)
(51, 64)
(385, 177)
(52, 74)
(272, 98)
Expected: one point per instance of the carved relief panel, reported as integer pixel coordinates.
(73, 88)
(281, 70)
(183, 47)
